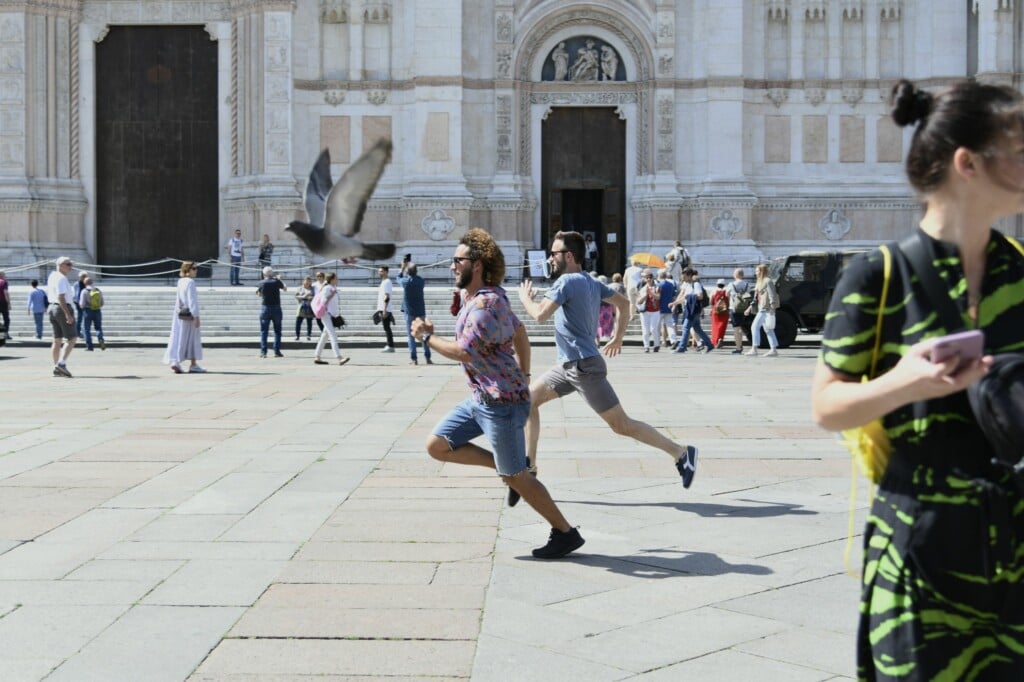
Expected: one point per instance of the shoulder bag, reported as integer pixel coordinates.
(869, 444)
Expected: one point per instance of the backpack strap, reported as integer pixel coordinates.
(1016, 244)
(886, 274)
(916, 251)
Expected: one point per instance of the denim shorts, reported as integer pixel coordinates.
(502, 423)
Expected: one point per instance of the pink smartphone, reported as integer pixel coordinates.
(968, 346)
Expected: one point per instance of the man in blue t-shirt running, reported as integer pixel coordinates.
(574, 300)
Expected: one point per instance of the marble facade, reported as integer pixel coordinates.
(753, 127)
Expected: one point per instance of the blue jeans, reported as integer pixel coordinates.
(268, 314)
(39, 324)
(755, 331)
(412, 342)
(92, 317)
(236, 277)
(693, 323)
(502, 423)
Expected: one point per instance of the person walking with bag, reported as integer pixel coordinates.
(767, 297)
(304, 296)
(91, 303)
(942, 593)
(741, 297)
(719, 313)
(650, 311)
(326, 308)
(186, 341)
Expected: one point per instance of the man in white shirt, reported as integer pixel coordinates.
(62, 319)
(384, 308)
(235, 249)
(633, 278)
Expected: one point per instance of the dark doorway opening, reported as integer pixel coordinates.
(583, 171)
(156, 146)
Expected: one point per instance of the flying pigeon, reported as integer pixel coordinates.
(335, 212)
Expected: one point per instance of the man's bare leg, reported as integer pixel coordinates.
(538, 497)
(540, 393)
(470, 454)
(624, 425)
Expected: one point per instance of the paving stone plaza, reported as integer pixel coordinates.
(278, 520)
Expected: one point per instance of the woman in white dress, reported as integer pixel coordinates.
(186, 342)
(329, 291)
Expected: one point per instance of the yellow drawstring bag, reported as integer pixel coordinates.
(869, 444)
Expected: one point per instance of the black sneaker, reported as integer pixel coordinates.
(513, 496)
(687, 465)
(560, 544)
(61, 371)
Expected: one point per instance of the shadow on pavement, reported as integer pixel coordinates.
(661, 563)
(767, 509)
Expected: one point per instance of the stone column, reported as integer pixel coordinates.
(42, 206)
(262, 196)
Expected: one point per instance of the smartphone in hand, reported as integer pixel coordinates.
(968, 346)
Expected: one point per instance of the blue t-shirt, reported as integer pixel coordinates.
(579, 298)
(668, 294)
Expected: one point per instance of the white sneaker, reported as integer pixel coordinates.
(196, 369)
(751, 352)
(387, 349)
(772, 353)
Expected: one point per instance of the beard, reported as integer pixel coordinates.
(463, 278)
(557, 268)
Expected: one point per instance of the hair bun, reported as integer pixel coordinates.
(909, 103)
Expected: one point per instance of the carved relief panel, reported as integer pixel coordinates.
(583, 59)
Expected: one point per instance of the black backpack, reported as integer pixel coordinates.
(997, 400)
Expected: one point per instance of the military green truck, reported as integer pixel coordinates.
(805, 282)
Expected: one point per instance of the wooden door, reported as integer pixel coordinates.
(156, 145)
(584, 148)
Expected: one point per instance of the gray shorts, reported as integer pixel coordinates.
(589, 376)
(61, 328)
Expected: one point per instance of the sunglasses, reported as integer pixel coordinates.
(457, 260)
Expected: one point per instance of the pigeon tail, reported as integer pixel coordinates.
(377, 251)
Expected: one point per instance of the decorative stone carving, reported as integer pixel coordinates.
(665, 65)
(595, 61)
(778, 10)
(815, 95)
(726, 225)
(334, 97)
(853, 10)
(377, 97)
(503, 63)
(852, 94)
(334, 11)
(1004, 6)
(815, 10)
(609, 63)
(585, 68)
(777, 96)
(437, 224)
(560, 58)
(375, 12)
(834, 225)
(585, 18)
(890, 10)
(665, 30)
(560, 98)
(503, 28)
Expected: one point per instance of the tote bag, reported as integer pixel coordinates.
(320, 304)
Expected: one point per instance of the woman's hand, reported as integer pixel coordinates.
(924, 379)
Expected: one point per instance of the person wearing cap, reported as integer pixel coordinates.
(62, 319)
(719, 319)
(269, 289)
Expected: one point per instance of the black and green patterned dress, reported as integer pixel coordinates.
(943, 585)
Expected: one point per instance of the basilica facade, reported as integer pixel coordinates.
(132, 130)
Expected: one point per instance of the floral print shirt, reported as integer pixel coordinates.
(484, 329)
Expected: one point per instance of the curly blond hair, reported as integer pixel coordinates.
(483, 248)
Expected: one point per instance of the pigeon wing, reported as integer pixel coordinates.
(347, 201)
(318, 188)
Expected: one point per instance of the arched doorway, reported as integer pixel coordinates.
(156, 145)
(583, 176)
